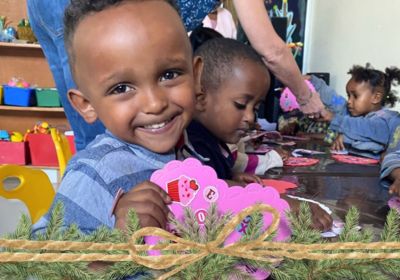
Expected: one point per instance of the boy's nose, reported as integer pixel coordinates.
(155, 101)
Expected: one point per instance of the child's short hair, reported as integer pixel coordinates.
(378, 80)
(79, 9)
(219, 56)
(202, 34)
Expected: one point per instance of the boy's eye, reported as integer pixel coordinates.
(240, 106)
(169, 75)
(121, 88)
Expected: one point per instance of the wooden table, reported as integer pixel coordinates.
(338, 185)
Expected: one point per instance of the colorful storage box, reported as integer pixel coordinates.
(17, 96)
(47, 97)
(42, 150)
(14, 153)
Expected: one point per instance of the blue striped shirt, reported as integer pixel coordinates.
(95, 174)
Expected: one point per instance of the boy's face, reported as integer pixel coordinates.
(133, 67)
(361, 100)
(230, 110)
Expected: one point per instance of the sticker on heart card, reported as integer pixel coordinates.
(191, 184)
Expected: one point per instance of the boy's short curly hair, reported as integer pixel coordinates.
(378, 80)
(219, 56)
(77, 10)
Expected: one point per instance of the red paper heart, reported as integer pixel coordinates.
(354, 159)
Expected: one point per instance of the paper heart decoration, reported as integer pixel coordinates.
(354, 159)
(300, 161)
(177, 177)
(279, 185)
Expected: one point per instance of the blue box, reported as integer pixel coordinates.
(17, 96)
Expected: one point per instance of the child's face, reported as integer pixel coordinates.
(133, 67)
(361, 99)
(230, 109)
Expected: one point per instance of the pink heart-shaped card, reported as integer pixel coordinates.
(191, 184)
(300, 161)
(355, 160)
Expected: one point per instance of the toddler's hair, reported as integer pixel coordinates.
(202, 34)
(378, 80)
(219, 56)
(77, 10)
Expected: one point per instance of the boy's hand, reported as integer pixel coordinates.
(150, 203)
(395, 186)
(338, 144)
(245, 178)
(321, 219)
(282, 153)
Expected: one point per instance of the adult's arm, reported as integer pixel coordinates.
(253, 17)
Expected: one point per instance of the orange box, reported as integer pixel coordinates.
(14, 153)
(42, 150)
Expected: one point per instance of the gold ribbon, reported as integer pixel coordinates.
(258, 249)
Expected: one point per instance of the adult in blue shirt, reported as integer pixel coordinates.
(46, 20)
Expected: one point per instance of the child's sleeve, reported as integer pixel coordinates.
(257, 164)
(390, 162)
(362, 129)
(86, 201)
(329, 97)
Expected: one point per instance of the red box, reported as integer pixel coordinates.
(14, 153)
(42, 150)
(71, 142)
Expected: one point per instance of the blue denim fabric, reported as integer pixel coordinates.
(46, 19)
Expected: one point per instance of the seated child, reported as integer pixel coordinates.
(367, 127)
(390, 171)
(234, 80)
(141, 86)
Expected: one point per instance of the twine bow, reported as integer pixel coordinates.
(260, 250)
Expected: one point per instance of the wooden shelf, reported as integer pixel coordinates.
(20, 45)
(32, 109)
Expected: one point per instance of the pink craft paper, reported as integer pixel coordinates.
(355, 160)
(288, 101)
(279, 185)
(300, 161)
(394, 203)
(262, 149)
(190, 183)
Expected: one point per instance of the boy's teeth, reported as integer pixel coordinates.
(156, 126)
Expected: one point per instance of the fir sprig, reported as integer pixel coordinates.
(213, 266)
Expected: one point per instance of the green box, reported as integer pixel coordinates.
(47, 97)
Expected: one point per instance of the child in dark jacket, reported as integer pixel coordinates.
(234, 81)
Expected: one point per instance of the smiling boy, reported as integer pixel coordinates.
(136, 75)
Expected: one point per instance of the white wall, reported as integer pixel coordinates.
(341, 33)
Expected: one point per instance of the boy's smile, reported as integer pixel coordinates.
(136, 72)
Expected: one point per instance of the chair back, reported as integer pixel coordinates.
(63, 149)
(34, 188)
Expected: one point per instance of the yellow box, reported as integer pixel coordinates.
(1, 95)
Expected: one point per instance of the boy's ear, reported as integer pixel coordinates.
(197, 72)
(200, 94)
(377, 97)
(82, 105)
